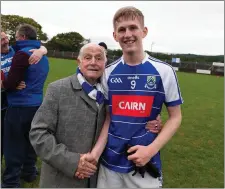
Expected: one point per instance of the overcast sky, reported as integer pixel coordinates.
(174, 27)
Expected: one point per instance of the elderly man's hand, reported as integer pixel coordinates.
(86, 167)
(21, 86)
(155, 126)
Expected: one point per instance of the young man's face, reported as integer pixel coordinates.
(129, 34)
(92, 63)
(4, 43)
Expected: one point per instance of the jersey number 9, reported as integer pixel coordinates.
(133, 84)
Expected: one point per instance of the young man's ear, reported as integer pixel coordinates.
(145, 32)
(114, 36)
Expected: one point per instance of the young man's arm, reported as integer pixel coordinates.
(37, 55)
(102, 139)
(17, 71)
(145, 153)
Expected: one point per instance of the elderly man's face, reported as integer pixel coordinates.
(4, 43)
(92, 63)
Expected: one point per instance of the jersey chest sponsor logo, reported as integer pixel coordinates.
(132, 105)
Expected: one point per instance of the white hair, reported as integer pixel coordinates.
(81, 52)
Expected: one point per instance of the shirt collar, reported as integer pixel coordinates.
(142, 62)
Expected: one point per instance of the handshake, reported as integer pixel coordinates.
(87, 166)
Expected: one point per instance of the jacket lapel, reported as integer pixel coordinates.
(76, 85)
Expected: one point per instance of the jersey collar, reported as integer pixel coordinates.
(142, 62)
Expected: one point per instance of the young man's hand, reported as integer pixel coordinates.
(141, 156)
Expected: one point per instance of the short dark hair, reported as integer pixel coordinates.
(28, 31)
(103, 45)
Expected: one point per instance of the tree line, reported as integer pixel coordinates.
(73, 41)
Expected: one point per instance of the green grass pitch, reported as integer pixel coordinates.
(194, 158)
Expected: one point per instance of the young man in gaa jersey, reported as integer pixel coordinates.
(136, 87)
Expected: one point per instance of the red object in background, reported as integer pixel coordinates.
(2, 75)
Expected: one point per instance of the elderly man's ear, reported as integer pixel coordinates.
(78, 61)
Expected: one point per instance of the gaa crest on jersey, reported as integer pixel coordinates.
(151, 82)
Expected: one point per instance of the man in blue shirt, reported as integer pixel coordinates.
(20, 157)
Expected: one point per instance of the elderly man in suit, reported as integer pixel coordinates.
(68, 123)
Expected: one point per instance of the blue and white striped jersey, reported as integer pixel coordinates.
(135, 95)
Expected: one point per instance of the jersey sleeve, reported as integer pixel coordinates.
(172, 89)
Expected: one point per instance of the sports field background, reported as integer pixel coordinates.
(194, 158)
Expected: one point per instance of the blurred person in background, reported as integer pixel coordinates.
(20, 157)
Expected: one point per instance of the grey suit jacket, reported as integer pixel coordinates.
(67, 123)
